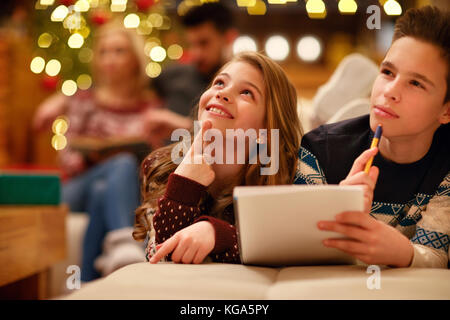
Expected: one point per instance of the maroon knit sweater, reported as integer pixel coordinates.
(179, 208)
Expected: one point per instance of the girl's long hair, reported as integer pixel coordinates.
(281, 114)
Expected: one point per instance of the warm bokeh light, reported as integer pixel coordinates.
(59, 142)
(45, 40)
(316, 9)
(82, 6)
(46, 2)
(118, 5)
(59, 14)
(53, 67)
(60, 126)
(145, 27)
(85, 31)
(277, 48)
(149, 46)
(153, 69)
(174, 52)
(244, 43)
(84, 81)
(69, 87)
(246, 3)
(75, 41)
(309, 48)
(347, 6)
(156, 20)
(93, 3)
(85, 55)
(158, 54)
(392, 8)
(131, 21)
(258, 9)
(37, 65)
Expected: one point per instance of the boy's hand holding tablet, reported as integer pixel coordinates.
(371, 241)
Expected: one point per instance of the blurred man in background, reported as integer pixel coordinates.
(210, 34)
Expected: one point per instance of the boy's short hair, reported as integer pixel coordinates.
(216, 13)
(428, 24)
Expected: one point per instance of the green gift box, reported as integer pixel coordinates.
(30, 189)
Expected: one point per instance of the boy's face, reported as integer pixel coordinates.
(408, 94)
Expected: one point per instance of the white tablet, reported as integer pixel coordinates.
(277, 225)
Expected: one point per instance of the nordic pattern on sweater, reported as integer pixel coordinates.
(403, 216)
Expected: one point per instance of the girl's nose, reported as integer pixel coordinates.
(221, 95)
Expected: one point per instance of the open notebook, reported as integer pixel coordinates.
(277, 225)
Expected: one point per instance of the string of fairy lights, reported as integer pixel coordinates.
(64, 27)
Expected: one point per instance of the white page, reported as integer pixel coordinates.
(277, 225)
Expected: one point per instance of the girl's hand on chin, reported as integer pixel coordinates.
(194, 165)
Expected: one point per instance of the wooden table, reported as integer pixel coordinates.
(32, 239)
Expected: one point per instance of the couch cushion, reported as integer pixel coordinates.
(350, 282)
(229, 281)
(175, 281)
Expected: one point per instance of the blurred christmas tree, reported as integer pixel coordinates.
(64, 31)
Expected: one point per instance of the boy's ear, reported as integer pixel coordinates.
(445, 117)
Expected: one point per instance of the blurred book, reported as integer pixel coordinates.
(97, 149)
(29, 188)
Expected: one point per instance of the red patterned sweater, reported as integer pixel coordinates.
(179, 208)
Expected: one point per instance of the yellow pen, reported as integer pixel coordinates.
(375, 141)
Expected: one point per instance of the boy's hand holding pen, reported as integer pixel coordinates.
(375, 142)
(363, 173)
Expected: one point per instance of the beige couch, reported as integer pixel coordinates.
(227, 281)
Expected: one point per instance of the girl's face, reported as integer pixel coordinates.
(115, 58)
(236, 99)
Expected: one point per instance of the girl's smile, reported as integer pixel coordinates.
(220, 111)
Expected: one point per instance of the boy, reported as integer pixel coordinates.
(409, 223)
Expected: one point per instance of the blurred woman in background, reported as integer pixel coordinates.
(117, 106)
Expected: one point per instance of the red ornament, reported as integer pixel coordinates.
(99, 17)
(144, 5)
(50, 83)
(67, 3)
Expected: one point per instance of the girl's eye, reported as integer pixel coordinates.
(247, 92)
(218, 83)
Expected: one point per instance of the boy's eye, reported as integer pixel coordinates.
(386, 72)
(417, 84)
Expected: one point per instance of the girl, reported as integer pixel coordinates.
(187, 210)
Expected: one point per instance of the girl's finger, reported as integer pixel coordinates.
(200, 256)
(180, 250)
(197, 145)
(166, 247)
(189, 254)
(361, 161)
